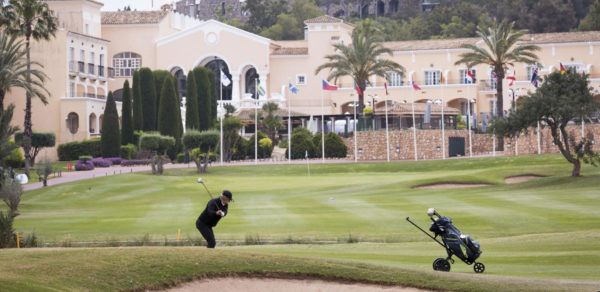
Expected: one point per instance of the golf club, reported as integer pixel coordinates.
(201, 181)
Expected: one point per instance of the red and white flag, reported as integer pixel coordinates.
(385, 86)
(415, 86)
(328, 86)
(471, 77)
(512, 78)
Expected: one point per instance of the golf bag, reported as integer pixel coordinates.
(462, 246)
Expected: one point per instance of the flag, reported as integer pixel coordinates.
(358, 90)
(306, 154)
(261, 90)
(534, 78)
(470, 77)
(385, 86)
(562, 69)
(415, 86)
(224, 80)
(512, 79)
(293, 88)
(328, 86)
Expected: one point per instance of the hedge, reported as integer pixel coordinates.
(72, 151)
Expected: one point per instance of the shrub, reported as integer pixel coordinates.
(134, 162)
(156, 142)
(262, 152)
(84, 165)
(302, 142)
(85, 158)
(15, 159)
(128, 151)
(204, 140)
(180, 157)
(283, 143)
(101, 162)
(111, 134)
(265, 147)
(38, 141)
(334, 146)
(240, 149)
(115, 160)
(72, 151)
(6, 230)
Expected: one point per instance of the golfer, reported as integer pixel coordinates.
(214, 211)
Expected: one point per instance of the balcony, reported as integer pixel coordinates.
(72, 68)
(91, 71)
(101, 72)
(96, 96)
(111, 72)
(81, 67)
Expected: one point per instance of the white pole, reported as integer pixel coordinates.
(539, 141)
(414, 124)
(290, 129)
(443, 134)
(256, 122)
(355, 133)
(582, 128)
(322, 129)
(221, 120)
(387, 132)
(469, 127)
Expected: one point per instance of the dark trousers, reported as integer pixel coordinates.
(207, 233)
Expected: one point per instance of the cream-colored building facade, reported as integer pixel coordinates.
(95, 52)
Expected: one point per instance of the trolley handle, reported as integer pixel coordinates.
(426, 233)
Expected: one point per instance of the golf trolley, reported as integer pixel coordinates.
(455, 243)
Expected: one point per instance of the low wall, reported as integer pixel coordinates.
(372, 144)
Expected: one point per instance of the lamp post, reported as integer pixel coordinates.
(354, 105)
(387, 132)
(440, 102)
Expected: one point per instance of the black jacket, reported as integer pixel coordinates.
(209, 216)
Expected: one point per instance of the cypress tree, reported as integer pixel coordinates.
(191, 105)
(204, 116)
(110, 140)
(126, 122)
(214, 94)
(138, 117)
(169, 115)
(159, 80)
(148, 90)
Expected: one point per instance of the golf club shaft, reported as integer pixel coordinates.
(209, 193)
(408, 219)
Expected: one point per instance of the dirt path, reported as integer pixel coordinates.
(519, 179)
(451, 186)
(277, 285)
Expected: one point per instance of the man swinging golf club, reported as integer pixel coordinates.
(215, 209)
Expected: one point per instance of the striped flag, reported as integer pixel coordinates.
(261, 90)
(471, 77)
(535, 78)
(293, 88)
(328, 86)
(562, 69)
(415, 86)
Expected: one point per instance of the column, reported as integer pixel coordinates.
(235, 89)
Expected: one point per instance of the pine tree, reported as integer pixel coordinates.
(214, 96)
(138, 117)
(126, 118)
(148, 90)
(191, 105)
(169, 114)
(202, 83)
(110, 139)
(159, 80)
(592, 20)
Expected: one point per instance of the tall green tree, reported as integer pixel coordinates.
(137, 111)
(263, 13)
(500, 48)
(148, 93)
(231, 128)
(271, 122)
(363, 58)
(168, 118)
(560, 99)
(126, 116)
(213, 84)
(159, 81)
(110, 140)
(13, 69)
(29, 19)
(290, 26)
(192, 120)
(592, 19)
(204, 96)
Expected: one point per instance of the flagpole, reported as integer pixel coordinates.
(443, 122)
(221, 118)
(582, 127)
(469, 122)
(414, 122)
(322, 128)
(290, 128)
(256, 121)
(539, 141)
(387, 131)
(355, 133)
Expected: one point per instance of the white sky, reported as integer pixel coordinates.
(114, 5)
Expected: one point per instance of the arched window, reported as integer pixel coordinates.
(73, 122)
(126, 63)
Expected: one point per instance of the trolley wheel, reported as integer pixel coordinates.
(479, 268)
(441, 264)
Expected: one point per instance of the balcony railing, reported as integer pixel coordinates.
(91, 69)
(81, 67)
(91, 95)
(101, 71)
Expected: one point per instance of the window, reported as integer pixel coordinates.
(394, 79)
(492, 83)
(82, 55)
(433, 77)
(463, 76)
(126, 63)
(530, 69)
(71, 89)
(101, 60)
(493, 107)
(577, 68)
(300, 79)
(73, 122)
(92, 55)
(71, 54)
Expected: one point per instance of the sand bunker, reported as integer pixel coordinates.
(277, 285)
(451, 186)
(520, 178)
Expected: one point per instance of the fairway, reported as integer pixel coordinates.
(545, 228)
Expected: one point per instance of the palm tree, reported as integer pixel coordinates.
(29, 19)
(501, 48)
(13, 69)
(271, 122)
(361, 59)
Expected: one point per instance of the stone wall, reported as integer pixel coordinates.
(372, 144)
